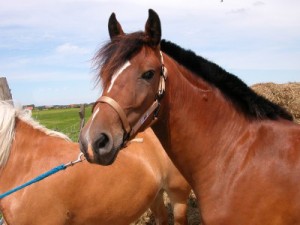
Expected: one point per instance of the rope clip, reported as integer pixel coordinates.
(79, 159)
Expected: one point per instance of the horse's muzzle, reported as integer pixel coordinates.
(100, 150)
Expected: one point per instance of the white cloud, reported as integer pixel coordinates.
(238, 11)
(68, 48)
(258, 3)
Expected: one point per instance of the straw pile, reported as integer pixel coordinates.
(285, 95)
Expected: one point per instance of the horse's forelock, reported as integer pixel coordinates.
(116, 52)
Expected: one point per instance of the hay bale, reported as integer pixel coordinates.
(286, 95)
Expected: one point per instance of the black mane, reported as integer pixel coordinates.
(244, 98)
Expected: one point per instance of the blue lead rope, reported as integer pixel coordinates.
(37, 179)
(42, 176)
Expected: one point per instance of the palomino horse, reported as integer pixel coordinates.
(84, 194)
(239, 151)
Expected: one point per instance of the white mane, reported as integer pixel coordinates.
(8, 114)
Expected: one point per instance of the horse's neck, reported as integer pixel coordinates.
(32, 153)
(198, 124)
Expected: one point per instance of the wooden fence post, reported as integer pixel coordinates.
(5, 93)
(82, 120)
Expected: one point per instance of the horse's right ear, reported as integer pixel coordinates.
(114, 27)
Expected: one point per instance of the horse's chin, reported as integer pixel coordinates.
(106, 159)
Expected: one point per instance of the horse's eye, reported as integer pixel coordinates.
(148, 75)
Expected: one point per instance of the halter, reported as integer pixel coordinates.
(153, 109)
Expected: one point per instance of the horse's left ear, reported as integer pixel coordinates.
(153, 28)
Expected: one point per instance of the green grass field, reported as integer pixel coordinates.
(66, 121)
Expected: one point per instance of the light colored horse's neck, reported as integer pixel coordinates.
(33, 150)
(8, 118)
(201, 123)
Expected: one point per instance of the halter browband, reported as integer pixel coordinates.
(153, 109)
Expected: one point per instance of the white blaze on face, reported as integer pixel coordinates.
(94, 114)
(87, 136)
(117, 74)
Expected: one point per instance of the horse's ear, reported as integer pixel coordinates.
(153, 28)
(114, 27)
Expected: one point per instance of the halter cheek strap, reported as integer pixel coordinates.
(163, 78)
(153, 109)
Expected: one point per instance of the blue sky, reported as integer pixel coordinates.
(46, 46)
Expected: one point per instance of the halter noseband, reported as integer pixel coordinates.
(153, 109)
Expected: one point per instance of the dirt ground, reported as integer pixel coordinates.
(192, 213)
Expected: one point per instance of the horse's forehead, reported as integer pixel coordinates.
(116, 65)
(117, 74)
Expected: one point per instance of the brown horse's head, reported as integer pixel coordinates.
(133, 79)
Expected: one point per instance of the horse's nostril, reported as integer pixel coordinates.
(101, 142)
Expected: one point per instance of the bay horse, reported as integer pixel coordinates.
(239, 151)
(84, 194)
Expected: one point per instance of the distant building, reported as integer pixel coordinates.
(29, 107)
